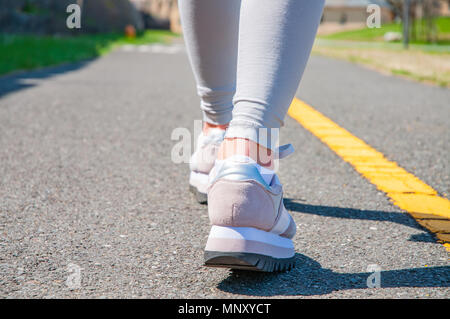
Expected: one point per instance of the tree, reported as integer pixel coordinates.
(397, 7)
(427, 10)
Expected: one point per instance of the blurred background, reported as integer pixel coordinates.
(33, 33)
(87, 178)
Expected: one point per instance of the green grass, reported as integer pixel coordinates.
(443, 24)
(367, 46)
(419, 77)
(376, 34)
(26, 52)
(395, 46)
(364, 34)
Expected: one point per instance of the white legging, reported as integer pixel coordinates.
(248, 58)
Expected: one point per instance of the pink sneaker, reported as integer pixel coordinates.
(202, 162)
(251, 228)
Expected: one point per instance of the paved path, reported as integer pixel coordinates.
(86, 181)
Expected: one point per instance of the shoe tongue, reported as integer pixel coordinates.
(284, 151)
(266, 174)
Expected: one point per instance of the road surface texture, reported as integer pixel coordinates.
(88, 189)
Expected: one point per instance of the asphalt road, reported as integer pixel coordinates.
(87, 185)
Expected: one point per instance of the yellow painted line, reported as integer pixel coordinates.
(403, 188)
(447, 246)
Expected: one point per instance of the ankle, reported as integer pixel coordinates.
(208, 126)
(245, 147)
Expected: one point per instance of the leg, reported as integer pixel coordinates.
(251, 228)
(275, 40)
(210, 30)
(211, 34)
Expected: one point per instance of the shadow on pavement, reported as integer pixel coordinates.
(423, 238)
(22, 80)
(309, 278)
(352, 213)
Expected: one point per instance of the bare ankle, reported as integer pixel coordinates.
(208, 126)
(245, 147)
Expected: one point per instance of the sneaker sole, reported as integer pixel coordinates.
(248, 261)
(248, 248)
(198, 183)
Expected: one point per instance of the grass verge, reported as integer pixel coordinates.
(26, 52)
(422, 62)
(376, 34)
(417, 64)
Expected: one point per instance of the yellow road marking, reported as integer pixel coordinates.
(403, 188)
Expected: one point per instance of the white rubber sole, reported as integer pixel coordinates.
(247, 248)
(249, 240)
